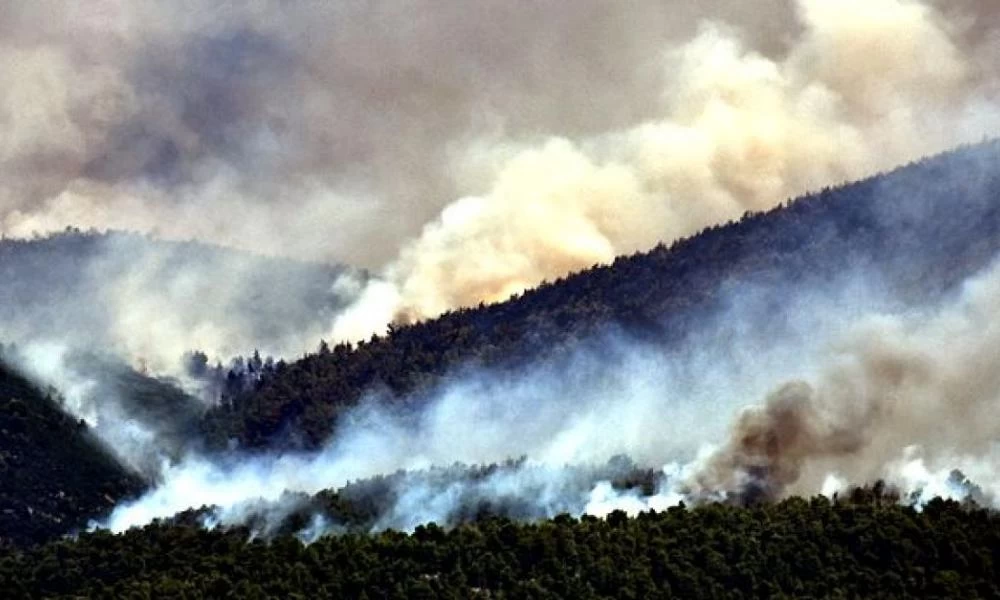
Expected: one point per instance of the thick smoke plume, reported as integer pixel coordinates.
(466, 151)
(924, 383)
(859, 86)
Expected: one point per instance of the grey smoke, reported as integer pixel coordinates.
(150, 302)
(611, 396)
(467, 152)
(145, 422)
(924, 383)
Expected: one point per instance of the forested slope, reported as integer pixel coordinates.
(862, 546)
(54, 475)
(917, 231)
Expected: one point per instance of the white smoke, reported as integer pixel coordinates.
(863, 85)
(115, 403)
(612, 396)
(151, 302)
(465, 152)
(902, 395)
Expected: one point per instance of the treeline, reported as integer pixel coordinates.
(855, 547)
(916, 231)
(454, 495)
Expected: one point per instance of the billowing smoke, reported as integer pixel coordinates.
(860, 86)
(927, 382)
(467, 152)
(314, 129)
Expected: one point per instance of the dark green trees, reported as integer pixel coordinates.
(795, 549)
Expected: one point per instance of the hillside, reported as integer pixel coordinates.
(54, 474)
(917, 231)
(153, 300)
(858, 547)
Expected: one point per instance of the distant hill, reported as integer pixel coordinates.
(54, 474)
(153, 298)
(917, 231)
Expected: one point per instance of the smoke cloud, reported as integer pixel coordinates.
(467, 152)
(861, 86)
(923, 383)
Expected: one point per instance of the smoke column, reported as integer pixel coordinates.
(861, 86)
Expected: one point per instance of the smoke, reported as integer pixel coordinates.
(318, 130)
(853, 388)
(151, 302)
(610, 396)
(144, 422)
(861, 86)
(923, 383)
(466, 152)
(470, 151)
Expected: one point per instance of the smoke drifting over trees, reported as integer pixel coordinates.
(924, 383)
(900, 396)
(465, 153)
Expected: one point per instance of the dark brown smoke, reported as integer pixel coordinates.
(898, 395)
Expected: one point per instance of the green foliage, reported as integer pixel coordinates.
(54, 475)
(798, 548)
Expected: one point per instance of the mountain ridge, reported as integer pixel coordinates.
(918, 230)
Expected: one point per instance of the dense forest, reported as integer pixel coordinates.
(916, 231)
(864, 545)
(54, 474)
